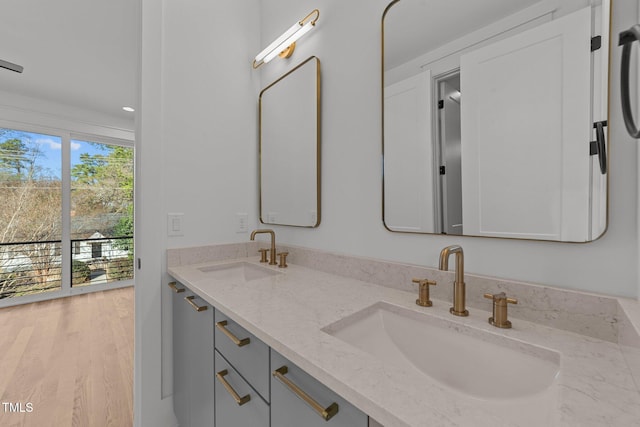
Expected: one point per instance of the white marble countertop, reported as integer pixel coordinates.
(288, 312)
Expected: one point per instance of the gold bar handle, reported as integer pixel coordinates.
(195, 306)
(326, 413)
(237, 341)
(239, 400)
(175, 288)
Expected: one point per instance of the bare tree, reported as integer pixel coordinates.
(30, 212)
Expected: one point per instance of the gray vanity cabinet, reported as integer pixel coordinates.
(248, 354)
(241, 381)
(242, 376)
(193, 385)
(180, 365)
(237, 403)
(289, 409)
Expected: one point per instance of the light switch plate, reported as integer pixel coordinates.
(174, 224)
(242, 222)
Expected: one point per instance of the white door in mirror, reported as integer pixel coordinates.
(526, 125)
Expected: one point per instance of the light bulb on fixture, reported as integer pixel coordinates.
(129, 109)
(284, 45)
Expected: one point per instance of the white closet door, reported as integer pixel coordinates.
(408, 155)
(525, 133)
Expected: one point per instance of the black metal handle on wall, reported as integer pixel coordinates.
(599, 146)
(626, 39)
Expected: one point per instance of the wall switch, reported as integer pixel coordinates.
(242, 222)
(174, 224)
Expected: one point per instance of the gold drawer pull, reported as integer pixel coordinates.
(175, 289)
(239, 400)
(237, 341)
(195, 306)
(326, 413)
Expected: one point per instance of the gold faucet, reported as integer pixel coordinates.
(272, 258)
(499, 318)
(459, 290)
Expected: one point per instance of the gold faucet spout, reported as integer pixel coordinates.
(272, 257)
(459, 287)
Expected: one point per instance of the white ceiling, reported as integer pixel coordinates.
(77, 52)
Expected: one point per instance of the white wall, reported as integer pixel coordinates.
(197, 152)
(347, 41)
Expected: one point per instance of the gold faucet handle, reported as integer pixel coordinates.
(283, 259)
(499, 318)
(501, 297)
(423, 292)
(263, 255)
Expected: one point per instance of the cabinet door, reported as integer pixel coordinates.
(193, 373)
(199, 345)
(288, 409)
(180, 355)
(252, 411)
(250, 357)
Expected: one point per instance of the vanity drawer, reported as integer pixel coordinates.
(251, 411)
(248, 355)
(290, 409)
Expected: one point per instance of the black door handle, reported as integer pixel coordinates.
(626, 39)
(601, 146)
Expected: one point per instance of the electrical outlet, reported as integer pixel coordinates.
(174, 224)
(242, 222)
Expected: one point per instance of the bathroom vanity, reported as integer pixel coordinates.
(349, 343)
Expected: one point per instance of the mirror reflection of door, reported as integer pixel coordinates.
(449, 99)
(408, 165)
(514, 90)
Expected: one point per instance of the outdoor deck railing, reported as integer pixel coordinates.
(28, 268)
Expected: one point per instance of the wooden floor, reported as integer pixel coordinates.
(71, 359)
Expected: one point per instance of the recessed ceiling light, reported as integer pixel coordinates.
(129, 109)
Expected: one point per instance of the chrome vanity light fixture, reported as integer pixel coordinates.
(11, 66)
(284, 45)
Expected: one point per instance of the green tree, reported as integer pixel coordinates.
(18, 159)
(103, 184)
(14, 156)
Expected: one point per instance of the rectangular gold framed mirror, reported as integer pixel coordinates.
(289, 147)
(495, 118)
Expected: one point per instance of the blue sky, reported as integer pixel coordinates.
(51, 149)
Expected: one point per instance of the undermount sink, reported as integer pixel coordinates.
(470, 361)
(238, 271)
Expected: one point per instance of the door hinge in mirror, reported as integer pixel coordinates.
(596, 43)
(442, 170)
(440, 104)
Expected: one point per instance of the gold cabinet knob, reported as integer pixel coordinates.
(423, 292)
(500, 301)
(283, 259)
(263, 255)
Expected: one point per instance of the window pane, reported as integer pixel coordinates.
(30, 212)
(101, 212)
